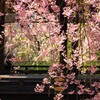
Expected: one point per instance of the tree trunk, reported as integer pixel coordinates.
(2, 3)
(63, 22)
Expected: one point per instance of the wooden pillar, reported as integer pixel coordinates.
(63, 22)
(2, 7)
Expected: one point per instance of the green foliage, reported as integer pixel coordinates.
(98, 54)
(34, 68)
(31, 63)
(92, 63)
(69, 49)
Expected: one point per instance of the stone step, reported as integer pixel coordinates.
(19, 83)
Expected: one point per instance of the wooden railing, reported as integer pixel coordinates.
(30, 70)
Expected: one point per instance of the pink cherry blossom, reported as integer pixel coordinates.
(81, 86)
(58, 96)
(46, 81)
(51, 87)
(1, 36)
(39, 88)
(80, 92)
(55, 8)
(1, 14)
(91, 93)
(71, 92)
(26, 1)
(71, 76)
(97, 96)
(67, 11)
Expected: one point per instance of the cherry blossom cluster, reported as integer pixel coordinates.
(83, 26)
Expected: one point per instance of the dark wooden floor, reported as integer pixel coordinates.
(25, 97)
(21, 87)
(39, 97)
